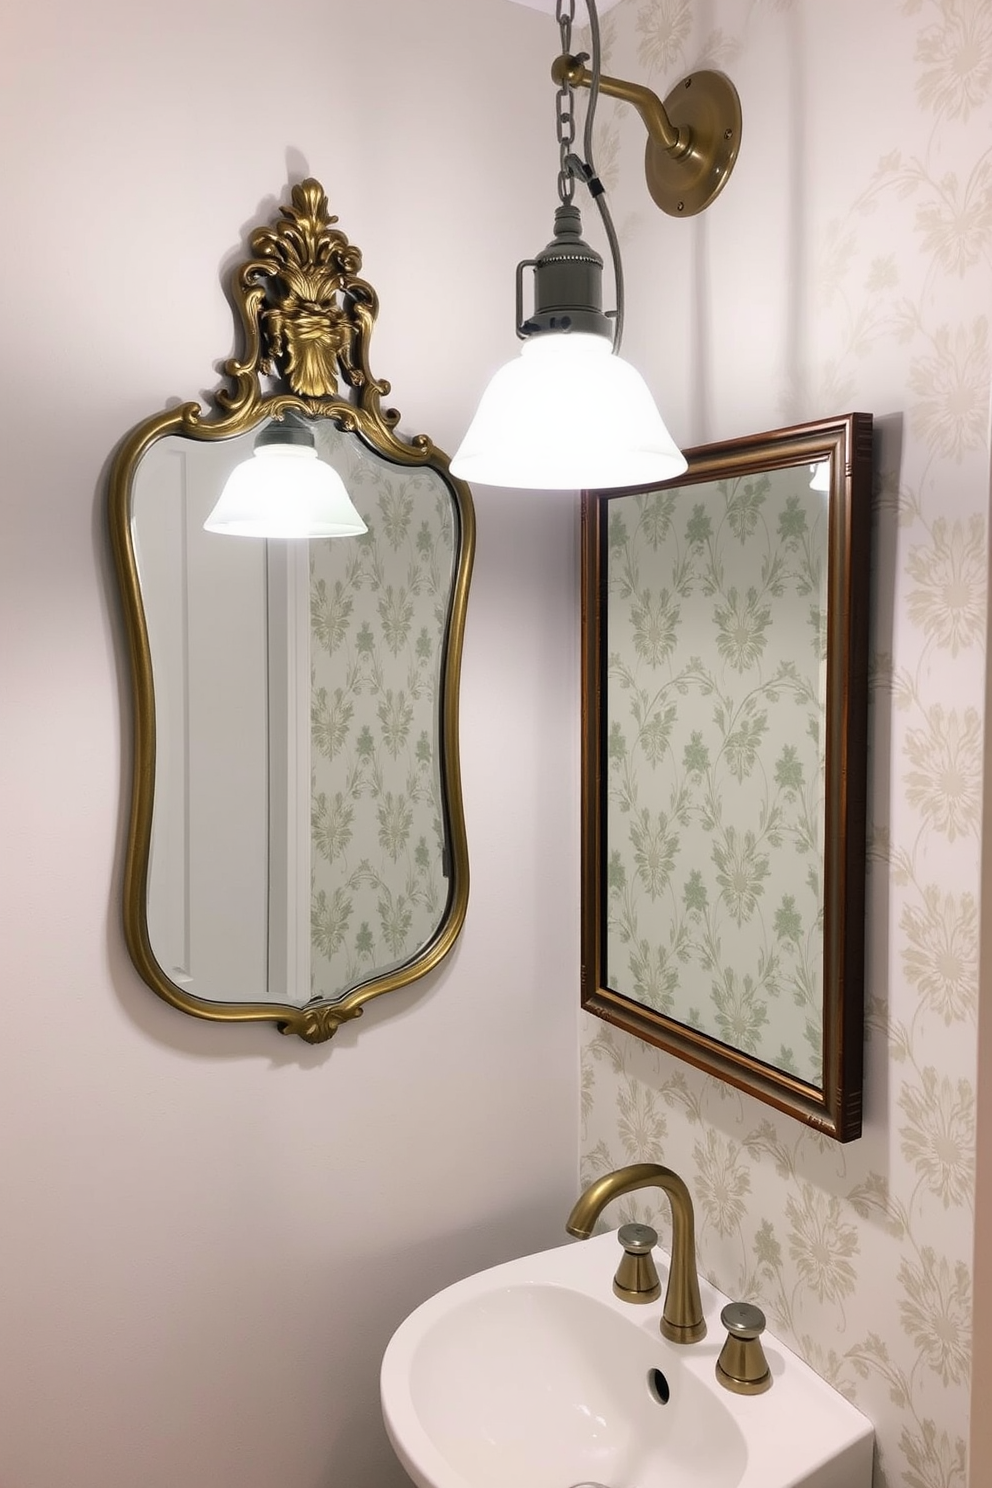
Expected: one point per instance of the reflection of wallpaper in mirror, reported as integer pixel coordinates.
(378, 612)
(714, 830)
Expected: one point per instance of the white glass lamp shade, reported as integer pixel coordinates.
(284, 490)
(820, 473)
(567, 414)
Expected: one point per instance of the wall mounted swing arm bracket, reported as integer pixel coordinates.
(572, 70)
(693, 137)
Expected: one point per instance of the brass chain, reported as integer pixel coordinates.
(565, 105)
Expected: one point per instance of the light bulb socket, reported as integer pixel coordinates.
(290, 430)
(568, 283)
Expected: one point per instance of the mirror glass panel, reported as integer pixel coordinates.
(725, 763)
(298, 838)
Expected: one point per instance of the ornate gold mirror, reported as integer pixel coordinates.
(725, 643)
(297, 843)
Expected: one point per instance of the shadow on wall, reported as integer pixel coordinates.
(888, 432)
(357, 1437)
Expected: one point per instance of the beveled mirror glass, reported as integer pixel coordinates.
(297, 843)
(725, 639)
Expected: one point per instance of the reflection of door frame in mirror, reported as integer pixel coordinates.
(305, 318)
(834, 1108)
(287, 592)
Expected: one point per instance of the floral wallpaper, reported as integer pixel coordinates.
(846, 266)
(714, 823)
(379, 606)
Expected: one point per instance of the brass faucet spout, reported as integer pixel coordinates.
(682, 1319)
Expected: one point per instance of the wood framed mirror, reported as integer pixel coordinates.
(296, 843)
(725, 647)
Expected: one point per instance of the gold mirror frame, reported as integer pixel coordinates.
(835, 1106)
(306, 318)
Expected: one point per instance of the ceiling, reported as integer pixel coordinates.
(548, 7)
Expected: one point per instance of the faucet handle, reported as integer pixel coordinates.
(637, 1276)
(742, 1366)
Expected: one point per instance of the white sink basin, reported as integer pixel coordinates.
(533, 1375)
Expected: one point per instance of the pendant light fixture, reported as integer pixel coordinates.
(569, 413)
(284, 490)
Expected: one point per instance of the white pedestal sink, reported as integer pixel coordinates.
(533, 1375)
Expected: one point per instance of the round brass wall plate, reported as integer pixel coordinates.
(707, 105)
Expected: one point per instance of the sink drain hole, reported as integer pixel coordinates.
(658, 1386)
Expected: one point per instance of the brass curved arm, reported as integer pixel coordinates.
(662, 131)
(693, 137)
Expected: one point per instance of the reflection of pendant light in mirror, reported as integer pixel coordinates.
(566, 414)
(284, 490)
(821, 475)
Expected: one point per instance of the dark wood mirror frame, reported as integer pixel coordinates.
(835, 1106)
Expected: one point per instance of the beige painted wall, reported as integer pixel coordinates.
(845, 267)
(206, 1234)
